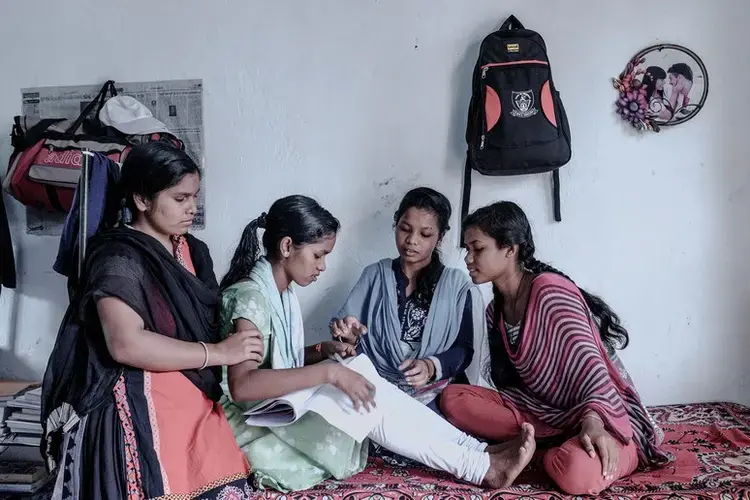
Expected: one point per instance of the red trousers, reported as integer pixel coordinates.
(483, 413)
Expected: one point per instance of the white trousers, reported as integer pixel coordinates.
(411, 429)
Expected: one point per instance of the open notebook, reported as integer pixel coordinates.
(325, 400)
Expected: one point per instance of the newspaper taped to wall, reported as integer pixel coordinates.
(176, 103)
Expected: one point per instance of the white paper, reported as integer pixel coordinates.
(325, 400)
(176, 103)
(280, 411)
(336, 407)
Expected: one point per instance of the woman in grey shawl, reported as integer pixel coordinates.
(416, 313)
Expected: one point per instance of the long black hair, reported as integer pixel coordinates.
(652, 75)
(508, 225)
(151, 168)
(427, 199)
(299, 217)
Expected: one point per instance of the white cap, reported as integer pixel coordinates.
(130, 117)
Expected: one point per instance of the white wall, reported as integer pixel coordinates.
(353, 102)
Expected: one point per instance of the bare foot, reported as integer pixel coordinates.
(497, 448)
(510, 459)
(504, 445)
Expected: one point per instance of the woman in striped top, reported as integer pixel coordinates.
(553, 362)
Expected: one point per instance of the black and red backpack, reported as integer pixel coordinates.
(517, 123)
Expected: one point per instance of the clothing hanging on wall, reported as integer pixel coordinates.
(102, 211)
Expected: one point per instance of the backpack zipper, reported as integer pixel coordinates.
(514, 63)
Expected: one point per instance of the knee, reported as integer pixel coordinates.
(453, 401)
(574, 471)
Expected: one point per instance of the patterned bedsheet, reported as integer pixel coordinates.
(711, 444)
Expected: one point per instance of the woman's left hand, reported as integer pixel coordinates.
(594, 437)
(331, 347)
(347, 329)
(418, 371)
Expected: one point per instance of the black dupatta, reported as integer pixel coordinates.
(137, 269)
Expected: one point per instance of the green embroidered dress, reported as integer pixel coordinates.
(300, 455)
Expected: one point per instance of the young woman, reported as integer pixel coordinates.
(552, 360)
(654, 80)
(134, 377)
(258, 295)
(417, 313)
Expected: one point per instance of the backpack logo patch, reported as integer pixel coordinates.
(523, 104)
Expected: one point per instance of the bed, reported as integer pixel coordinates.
(710, 443)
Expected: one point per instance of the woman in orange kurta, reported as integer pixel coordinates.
(131, 394)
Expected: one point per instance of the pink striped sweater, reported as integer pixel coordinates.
(565, 370)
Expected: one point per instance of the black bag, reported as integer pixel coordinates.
(517, 124)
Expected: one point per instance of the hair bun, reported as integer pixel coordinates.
(262, 220)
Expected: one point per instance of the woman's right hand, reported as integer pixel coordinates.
(245, 345)
(595, 438)
(330, 348)
(354, 385)
(348, 330)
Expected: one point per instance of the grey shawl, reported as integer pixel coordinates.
(373, 301)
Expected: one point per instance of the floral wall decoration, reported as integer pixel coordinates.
(663, 85)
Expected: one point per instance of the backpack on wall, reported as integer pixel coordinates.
(517, 123)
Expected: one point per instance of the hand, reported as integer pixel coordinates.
(594, 435)
(245, 345)
(347, 330)
(331, 347)
(354, 385)
(418, 371)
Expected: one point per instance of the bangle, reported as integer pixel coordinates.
(205, 358)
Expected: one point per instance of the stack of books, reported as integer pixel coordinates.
(20, 413)
(22, 477)
(22, 470)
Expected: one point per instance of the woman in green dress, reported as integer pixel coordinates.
(258, 294)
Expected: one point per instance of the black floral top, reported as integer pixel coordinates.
(412, 314)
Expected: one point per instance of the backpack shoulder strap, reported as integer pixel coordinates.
(466, 197)
(556, 194)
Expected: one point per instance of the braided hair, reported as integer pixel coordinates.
(508, 225)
